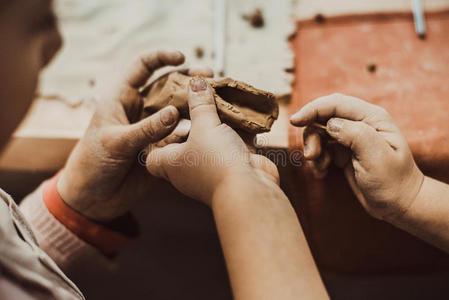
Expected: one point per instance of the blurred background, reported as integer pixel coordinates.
(388, 52)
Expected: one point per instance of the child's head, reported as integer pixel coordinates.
(28, 41)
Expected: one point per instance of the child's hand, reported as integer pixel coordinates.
(213, 156)
(369, 147)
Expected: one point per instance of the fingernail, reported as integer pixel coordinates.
(168, 115)
(335, 125)
(184, 125)
(198, 84)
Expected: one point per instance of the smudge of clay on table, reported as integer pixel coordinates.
(256, 18)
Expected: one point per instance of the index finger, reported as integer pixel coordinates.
(198, 71)
(335, 105)
(145, 66)
(128, 94)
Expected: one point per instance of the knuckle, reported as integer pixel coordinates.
(200, 106)
(339, 97)
(376, 111)
(159, 57)
(151, 60)
(381, 110)
(403, 157)
(383, 113)
(359, 131)
(150, 130)
(114, 141)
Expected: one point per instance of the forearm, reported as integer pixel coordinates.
(265, 249)
(428, 216)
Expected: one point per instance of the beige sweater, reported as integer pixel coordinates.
(35, 248)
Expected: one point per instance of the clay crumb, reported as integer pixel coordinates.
(289, 70)
(371, 67)
(221, 73)
(319, 18)
(91, 82)
(256, 18)
(199, 52)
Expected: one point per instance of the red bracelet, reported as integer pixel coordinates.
(101, 236)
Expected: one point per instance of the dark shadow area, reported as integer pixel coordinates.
(178, 256)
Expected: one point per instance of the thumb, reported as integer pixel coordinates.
(151, 129)
(203, 110)
(366, 143)
(160, 159)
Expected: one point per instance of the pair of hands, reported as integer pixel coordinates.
(103, 177)
(362, 139)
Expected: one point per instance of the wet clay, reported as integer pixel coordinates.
(239, 105)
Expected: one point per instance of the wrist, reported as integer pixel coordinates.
(414, 192)
(242, 188)
(73, 192)
(67, 187)
(106, 237)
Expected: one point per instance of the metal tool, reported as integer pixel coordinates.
(418, 16)
(220, 16)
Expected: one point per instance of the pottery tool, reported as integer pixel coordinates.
(220, 15)
(318, 125)
(418, 16)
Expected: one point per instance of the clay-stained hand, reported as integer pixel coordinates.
(103, 178)
(367, 144)
(213, 155)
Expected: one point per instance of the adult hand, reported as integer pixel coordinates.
(102, 178)
(213, 156)
(376, 159)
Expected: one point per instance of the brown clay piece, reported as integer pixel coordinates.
(239, 105)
